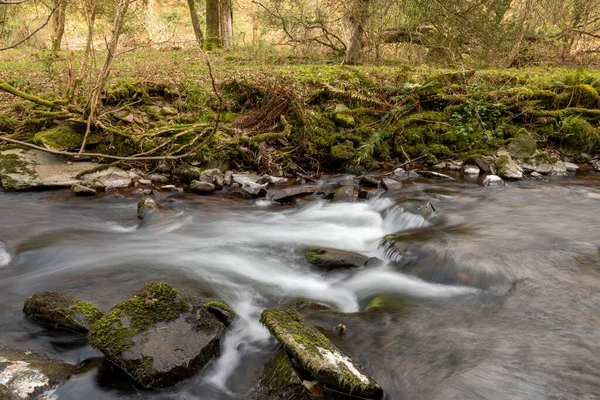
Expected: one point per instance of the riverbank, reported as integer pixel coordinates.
(309, 119)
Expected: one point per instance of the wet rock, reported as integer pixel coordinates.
(80, 190)
(290, 194)
(62, 311)
(32, 169)
(492, 180)
(6, 394)
(399, 174)
(487, 164)
(273, 180)
(559, 168)
(435, 175)
(28, 375)
(244, 178)
(220, 310)
(543, 168)
(390, 184)
(214, 176)
(327, 259)
(508, 169)
(369, 180)
(228, 178)
(279, 380)
(347, 194)
(147, 206)
(316, 358)
(158, 336)
(471, 170)
(145, 182)
(440, 166)
(113, 181)
(158, 178)
(571, 167)
(537, 176)
(522, 147)
(455, 165)
(202, 187)
(254, 190)
(595, 164)
(187, 173)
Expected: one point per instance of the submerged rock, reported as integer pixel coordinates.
(202, 187)
(158, 336)
(27, 375)
(80, 190)
(316, 358)
(146, 206)
(62, 311)
(347, 194)
(435, 175)
(492, 180)
(289, 194)
(330, 259)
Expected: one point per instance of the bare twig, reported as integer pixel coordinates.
(39, 28)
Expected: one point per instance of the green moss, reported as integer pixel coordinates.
(343, 120)
(90, 311)
(502, 165)
(575, 133)
(219, 304)
(314, 255)
(62, 137)
(585, 96)
(156, 302)
(343, 152)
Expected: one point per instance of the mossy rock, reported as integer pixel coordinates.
(585, 96)
(158, 336)
(577, 134)
(343, 120)
(187, 173)
(62, 137)
(279, 381)
(220, 310)
(146, 207)
(316, 358)
(62, 311)
(523, 146)
(343, 152)
(326, 259)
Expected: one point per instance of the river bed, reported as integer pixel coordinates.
(495, 295)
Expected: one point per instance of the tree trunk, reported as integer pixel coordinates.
(356, 40)
(59, 18)
(196, 23)
(226, 13)
(213, 30)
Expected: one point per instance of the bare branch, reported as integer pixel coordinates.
(46, 22)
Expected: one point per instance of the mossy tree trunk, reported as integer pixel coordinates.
(358, 19)
(226, 13)
(196, 22)
(213, 25)
(59, 19)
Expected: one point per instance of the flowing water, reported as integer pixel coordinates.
(496, 295)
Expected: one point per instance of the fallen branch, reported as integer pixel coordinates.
(37, 100)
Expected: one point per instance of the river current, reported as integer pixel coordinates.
(495, 295)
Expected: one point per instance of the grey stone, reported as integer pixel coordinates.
(369, 180)
(537, 176)
(80, 190)
(253, 189)
(202, 187)
(214, 176)
(435, 175)
(571, 167)
(114, 180)
(289, 194)
(145, 182)
(559, 168)
(347, 194)
(523, 146)
(390, 184)
(159, 178)
(147, 206)
(244, 178)
(508, 169)
(487, 164)
(28, 375)
(228, 178)
(273, 180)
(492, 180)
(471, 170)
(595, 164)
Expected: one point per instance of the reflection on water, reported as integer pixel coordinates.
(490, 297)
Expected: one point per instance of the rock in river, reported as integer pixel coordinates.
(80, 190)
(27, 375)
(289, 194)
(316, 358)
(329, 259)
(147, 206)
(492, 180)
(202, 187)
(158, 336)
(347, 194)
(62, 311)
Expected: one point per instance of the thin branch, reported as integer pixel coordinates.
(46, 22)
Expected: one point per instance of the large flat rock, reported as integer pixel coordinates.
(317, 356)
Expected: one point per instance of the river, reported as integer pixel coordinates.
(496, 295)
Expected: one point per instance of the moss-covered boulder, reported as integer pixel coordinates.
(316, 358)
(220, 310)
(62, 311)
(341, 117)
(508, 169)
(327, 259)
(187, 173)
(62, 137)
(523, 146)
(26, 375)
(348, 194)
(158, 336)
(279, 381)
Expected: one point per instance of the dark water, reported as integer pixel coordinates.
(494, 296)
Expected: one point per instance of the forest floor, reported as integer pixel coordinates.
(283, 115)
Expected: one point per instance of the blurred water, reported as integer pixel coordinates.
(490, 297)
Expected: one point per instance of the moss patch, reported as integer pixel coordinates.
(62, 137)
